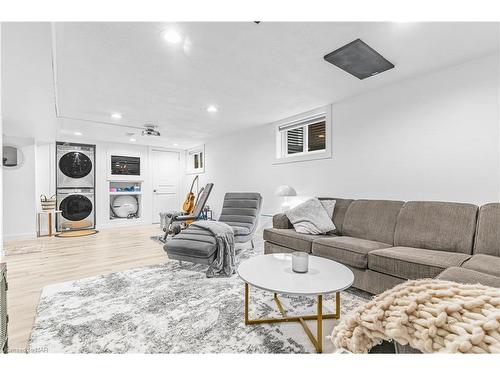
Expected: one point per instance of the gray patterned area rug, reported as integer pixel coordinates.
(170, 308)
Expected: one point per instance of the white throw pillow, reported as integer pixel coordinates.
(310, 217)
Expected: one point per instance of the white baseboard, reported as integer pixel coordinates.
(19, 236)
(123, 223)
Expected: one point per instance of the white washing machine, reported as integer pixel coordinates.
(75, 165)
(77, 209)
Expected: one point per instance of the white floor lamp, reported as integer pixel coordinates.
(285, 191)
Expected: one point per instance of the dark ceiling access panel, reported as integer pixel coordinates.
(359, 59)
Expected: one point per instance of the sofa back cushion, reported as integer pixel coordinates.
(437, 226)
(373, 220)
(488, 230)
(341, 206)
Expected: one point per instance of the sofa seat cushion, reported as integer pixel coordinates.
(467, 276)
(192, 242)
(413, 263)
(291, 239)
(488, 264)
(348, 250)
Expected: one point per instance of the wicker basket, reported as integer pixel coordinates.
(48, 204)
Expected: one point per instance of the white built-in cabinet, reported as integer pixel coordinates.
(154, 171)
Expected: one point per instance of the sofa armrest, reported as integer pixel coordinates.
(280, 221)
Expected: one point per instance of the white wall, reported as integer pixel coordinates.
(435, 137)
(44, 176)
(19, 192)
(45, 170)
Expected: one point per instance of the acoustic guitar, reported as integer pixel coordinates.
(189, 203)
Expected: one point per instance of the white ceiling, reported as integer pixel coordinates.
(255, 74)
(27, 81)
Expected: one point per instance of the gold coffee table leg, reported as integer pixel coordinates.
(246, 304)
(319, 327)
(317, 340)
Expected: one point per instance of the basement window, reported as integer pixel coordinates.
(195, 160)
(304, 137)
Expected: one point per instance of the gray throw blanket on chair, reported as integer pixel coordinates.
(224, 264)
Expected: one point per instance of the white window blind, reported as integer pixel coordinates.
(303, 122)
(307, 135)
(295, 140)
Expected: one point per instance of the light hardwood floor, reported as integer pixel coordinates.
(63, 259)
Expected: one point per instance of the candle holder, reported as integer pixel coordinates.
(300, 262)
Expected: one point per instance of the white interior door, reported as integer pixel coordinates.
(166, 180)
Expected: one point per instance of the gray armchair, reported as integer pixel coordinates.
(239, 210)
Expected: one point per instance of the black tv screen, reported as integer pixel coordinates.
(125, 165)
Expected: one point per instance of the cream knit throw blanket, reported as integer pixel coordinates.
(429, 315)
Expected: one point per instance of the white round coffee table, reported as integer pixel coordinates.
(273, 272)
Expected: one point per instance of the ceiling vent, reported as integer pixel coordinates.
(150, 131)
(359, 59)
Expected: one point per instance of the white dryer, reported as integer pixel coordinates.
(75, 165)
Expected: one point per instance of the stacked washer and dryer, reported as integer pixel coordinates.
(75, 185)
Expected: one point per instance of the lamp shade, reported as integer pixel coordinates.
(285, 191)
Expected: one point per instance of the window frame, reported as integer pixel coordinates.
(303, 120)
(190, 157)
(305, 138)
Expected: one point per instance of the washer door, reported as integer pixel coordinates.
(75, 164)
(75, 207)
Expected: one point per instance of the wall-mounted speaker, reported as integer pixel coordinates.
(359, 59)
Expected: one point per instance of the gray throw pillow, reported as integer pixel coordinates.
(310, 217)
(329, 206)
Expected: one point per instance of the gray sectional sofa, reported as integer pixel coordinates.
(387, 242)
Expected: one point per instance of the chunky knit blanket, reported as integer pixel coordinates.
(429, 315)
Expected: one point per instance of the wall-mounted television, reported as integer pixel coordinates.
(125, 165)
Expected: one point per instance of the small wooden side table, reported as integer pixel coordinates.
(50, 219)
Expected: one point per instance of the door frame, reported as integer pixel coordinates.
(151, 182)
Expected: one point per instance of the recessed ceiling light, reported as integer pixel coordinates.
(77, 133)
(212, 108)
(176, 144)
(133, 139)
(116, 115)
(171, 36)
